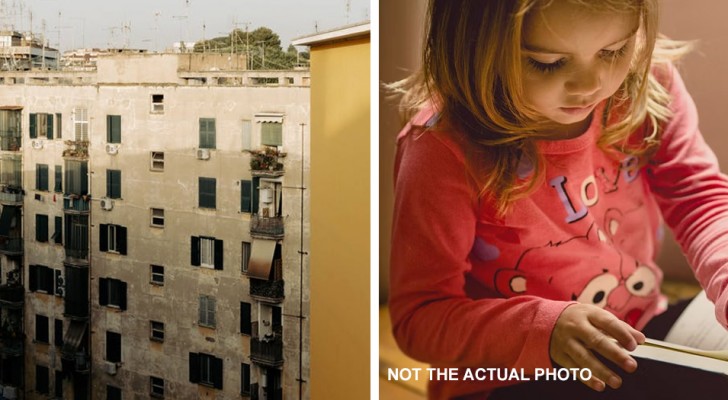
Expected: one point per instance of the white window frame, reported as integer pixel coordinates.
(80, 124)
(207, 312)
(207, 252)
(153, 274)
(111, 239)
(158, 215)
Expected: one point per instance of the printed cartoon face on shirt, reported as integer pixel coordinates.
(601, 274)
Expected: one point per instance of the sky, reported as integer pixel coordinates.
(156, 24)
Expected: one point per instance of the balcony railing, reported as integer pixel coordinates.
(267, 226)
(77, 203)
(10, 140)
(76, 149)
(268, 290)
(10, 197)
(11, 246)
(267, 352)
(11, 294)
(266, 162)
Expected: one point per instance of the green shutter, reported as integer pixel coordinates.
(49, 126)
(271, 134)
(33, 126)
(207, 133)
(113, 183)
(207, 192)
(245, 196)
(41, 228)
(113, 128)
(58, 184)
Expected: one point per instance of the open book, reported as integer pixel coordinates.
(696, 340)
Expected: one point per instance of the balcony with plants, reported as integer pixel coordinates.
(266, 162)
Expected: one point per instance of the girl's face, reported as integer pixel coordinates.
(573, 59)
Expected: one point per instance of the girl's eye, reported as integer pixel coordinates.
(545, 67)
(613, 55)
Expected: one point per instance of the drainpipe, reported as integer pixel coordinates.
(300, 292)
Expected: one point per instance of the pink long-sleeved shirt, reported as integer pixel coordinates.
(469, 289)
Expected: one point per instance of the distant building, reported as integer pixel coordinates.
(154, 231)
(340, 211)
(22, 52)
(183, 47)
(80, 59)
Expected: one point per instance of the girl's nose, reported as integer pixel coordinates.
(584, 82)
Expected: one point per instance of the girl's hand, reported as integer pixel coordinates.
(583, 328)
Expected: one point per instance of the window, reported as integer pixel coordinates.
(158, 217)
(157, 275)
(80, 124)
(247, 134)
(58, 231)
(41, 228)
(58, 332)
(249, 196)
(41, 177)
(59, 384)
(245, 319)
(157, 161)
(157, 331)
(271, 133)
(76, 236)
(58, 183)
(112, 293)
(207, 192)
(113, 183)
(42, 279)
(113, 347)
(10, 126)
(157, 103)
(113, 128)
(207, 311)
(112, 238)
(41, 329)
(207, 133)
(245, 379)
(246, 256)
(156, 386)
(11, 171)
(41, 125)
(207, 252)
(41, 379)
(206, 370)
(113, 393)
(59, 125)
(76, 177)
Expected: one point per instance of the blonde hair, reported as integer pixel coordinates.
(471, 70)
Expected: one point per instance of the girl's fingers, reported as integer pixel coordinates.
(627, 336)
(593, 383)
(603, 343)
(584, 358)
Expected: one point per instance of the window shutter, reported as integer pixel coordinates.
(256, 192)
(33, 125)
(48, 278)
(49, 126)
(113, 128)
(103, 291)
(216, 369)
(84, 178)
(41, 228)
(58, 232)
(122, 294)
(194, 367)
(218, 254)
(59, 125)
(33, 278)
(58, 333)
(245, 196)
(104, 237)
(202, 312)
(195, 251)
(245, 325)
(58, 184)
(113, 346)
(121, 239)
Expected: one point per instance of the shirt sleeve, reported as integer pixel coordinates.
(693, 195)
(434, 226)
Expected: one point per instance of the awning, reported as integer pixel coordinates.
(6, 219)
(261, 258)
(269, 118)
(74, 335)
(11, 108)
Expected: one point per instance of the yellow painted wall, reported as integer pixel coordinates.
(340, 220)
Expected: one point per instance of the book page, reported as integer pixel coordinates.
(669, 355)
(697, 327)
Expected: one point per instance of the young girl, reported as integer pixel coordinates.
(550, 141)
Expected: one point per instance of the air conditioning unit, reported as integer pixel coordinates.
(110, 367)
(112, 148)
(10, 392)
(37, 144)
(203, 154)
(107, 204)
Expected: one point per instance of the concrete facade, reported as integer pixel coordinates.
(157, 217)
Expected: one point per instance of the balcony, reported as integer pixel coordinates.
(75, 203)
(11, 196)
(10, 140)
(266, 162)
(11, 246)
(267, 351)
(12, 295)
(76, 149)
(266, 226)
(269, 291)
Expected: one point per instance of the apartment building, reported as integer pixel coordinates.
(154, 230)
